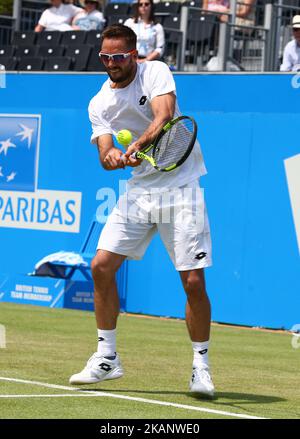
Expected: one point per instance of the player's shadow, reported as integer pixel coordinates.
(224, 398)
(234, 398)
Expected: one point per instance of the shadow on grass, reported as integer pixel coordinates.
(224, 398)
(230, 398)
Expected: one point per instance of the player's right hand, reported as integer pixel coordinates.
(113, 160)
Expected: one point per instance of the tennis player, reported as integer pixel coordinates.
(142, 98)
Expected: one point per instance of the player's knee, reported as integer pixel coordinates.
(194, 284)
(101, 268)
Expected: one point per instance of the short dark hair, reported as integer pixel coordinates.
(119, 31)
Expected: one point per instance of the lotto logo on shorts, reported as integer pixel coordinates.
(22, 205)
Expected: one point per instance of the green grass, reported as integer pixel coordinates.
(255, 372)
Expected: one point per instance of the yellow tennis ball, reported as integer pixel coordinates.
(124, 137)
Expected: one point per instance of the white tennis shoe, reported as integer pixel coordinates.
(201, 382)
(98, 368)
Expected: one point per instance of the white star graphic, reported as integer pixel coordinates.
(11, 176)
(5, 145)
(26, 134)
(1, 175)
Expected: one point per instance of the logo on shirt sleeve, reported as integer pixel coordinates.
(143, 100)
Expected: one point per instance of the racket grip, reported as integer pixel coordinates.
(133, 155)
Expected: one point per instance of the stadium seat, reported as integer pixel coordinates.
(132, 9)
(6, 51)
(201, 29)
(173, 41)
(79, 55)
(58, 64)
(116, 9)
(93, 38)
(23, 51)
(48, 51)
(160, 19)
(49, 38)
(94, 63)
(73, 37)
(172, 22)
(9, 63)
(168, 7)
(24, 38)
(193, 3)
(116, 19)
(31, 64)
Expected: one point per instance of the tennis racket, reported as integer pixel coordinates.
(172, 146)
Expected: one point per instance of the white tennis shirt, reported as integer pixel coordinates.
(59, 18)
(112, 110)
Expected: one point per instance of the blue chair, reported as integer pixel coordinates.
(63, 270)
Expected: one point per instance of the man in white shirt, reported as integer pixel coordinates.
(58, 17)
(142, 98)
(291, 54)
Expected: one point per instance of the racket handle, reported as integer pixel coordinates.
(133, 155)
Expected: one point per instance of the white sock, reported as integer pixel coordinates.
(107, 342)
(200, 354)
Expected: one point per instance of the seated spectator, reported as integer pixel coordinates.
(90, 18)
(216, 5)
(150, 35)
(291, 54)
(244, 15)
(58, 17)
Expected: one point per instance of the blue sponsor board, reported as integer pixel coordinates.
(45, 291)
(22, 203)
(252, 152)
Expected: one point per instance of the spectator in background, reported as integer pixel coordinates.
(291, 54)
(58, 17)
(150, 35)
(216, 5)
(90, 18)
(245, 13)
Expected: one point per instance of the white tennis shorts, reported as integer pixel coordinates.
(178, 215)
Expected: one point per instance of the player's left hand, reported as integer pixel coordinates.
(127, 157)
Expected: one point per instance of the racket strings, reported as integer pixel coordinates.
(174, 143)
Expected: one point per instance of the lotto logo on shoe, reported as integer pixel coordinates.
(106, 367)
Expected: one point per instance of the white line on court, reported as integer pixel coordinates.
(130, 398)
(73, 395)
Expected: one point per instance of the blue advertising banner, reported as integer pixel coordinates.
(51, 185)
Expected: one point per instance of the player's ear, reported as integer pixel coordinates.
(135, 55)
